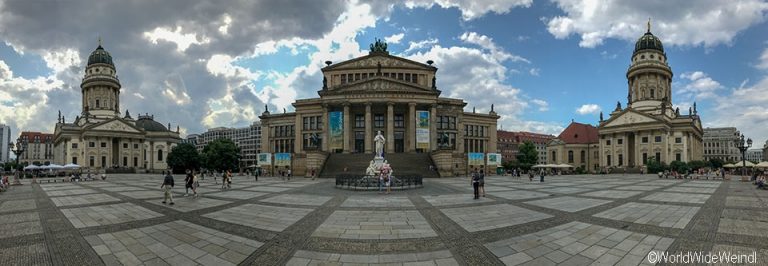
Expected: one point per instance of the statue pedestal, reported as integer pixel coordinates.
(378, 163)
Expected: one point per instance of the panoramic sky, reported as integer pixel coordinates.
(203, 64)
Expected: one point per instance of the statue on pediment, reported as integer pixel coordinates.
(378, 46)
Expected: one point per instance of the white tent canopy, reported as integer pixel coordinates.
(730, 165)
(31, 167)
(744, 163)
(564, 166)
(763, 164)
(52, 167)
(545, 166)
(71, 166)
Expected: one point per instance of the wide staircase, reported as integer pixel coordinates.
(402, 163)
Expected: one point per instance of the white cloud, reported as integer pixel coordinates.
(543, 105)
(487, 43)
(472, 9)
(182, 40)
(416, 46)
(743, 108)
(706, 23)
(588, 109)
(226, 22)
(763, 64)
(535, 71)
(395, 38)
(700, 86)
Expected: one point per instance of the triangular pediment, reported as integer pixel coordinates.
(114, 125)
(382, 84)
(374, 59)
(628, 117)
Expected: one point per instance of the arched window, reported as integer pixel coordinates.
(554, 157)
(652, 94)
(159, 155)
(570, 156)
(97, 103)
(583, 157)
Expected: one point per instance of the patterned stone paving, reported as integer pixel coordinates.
(261, 216)
(375, 225)
(568, 204)
(577, 243)
(107, 214)
(567, 220)
(655, 214)
(478, 218)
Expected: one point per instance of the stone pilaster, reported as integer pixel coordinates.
(347, 126)
(324, 134)
(433, 127)
(390, 146)
(410, 139)
(368, 128)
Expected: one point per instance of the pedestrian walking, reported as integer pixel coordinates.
(541, 175)
(189, 182)
(289, 174)
(475, 181)
(313, 173)
(256, 173)
(482, 183)
(167, 186)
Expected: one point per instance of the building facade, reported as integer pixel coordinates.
(5, 143)
(509, 141)
(719, 143)
(577, 146)
(248, 139)
(379, 92)
(754, 155)
(99, 138)
(649, 126)
(38, 148)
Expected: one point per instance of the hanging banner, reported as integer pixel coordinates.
(422, 129)
(494, 159)
(282, 159)
(475, 158)
(265, 159)
(336, 127)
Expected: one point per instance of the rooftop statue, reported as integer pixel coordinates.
(378, 46)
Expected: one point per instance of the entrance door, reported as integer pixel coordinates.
(399, 141)
(359, 141)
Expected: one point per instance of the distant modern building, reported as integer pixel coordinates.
(99, 138)
(38, 148)
(248, 139)
(754, 155)
(508, 143)
(649, 126)
(191, 139)
(5, 141)
(719, 144)
(577, 145)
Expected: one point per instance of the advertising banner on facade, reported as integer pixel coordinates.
(336, 130)
(422, 129)
(282, 159)
(475, 158)
(265, 159)
(494, 159)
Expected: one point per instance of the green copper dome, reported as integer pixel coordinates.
(648, 42)
(100, 56)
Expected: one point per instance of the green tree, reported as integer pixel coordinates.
(221, 155)
(696, 165)
(680, 167)
(527, 155)
(716, 163)
(183, 156)
(654, 166)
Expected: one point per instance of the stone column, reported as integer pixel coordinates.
(390, 146)
(298, 137)
(346, 127)
(368, 128)
(433, 127)
(410, 138)
(326, 126)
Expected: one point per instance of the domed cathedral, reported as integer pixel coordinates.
(101, 138)
(649, 127)
(358, 98)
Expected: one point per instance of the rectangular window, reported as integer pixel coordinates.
(408, 77)
(91, 144)
(678, 140)
(678, 157)
(125, 161)
(415, 78)
(570, 156)
(658, 157)
(103, 144)
(357, 76)
(74, 160)
(452, 122)
(399, 121)
(91, 161)
(400, 76)
(159, 155)
(306, 122)
(608, 160)
(359, 121)
(103, 161)
(620, 141)
(135, 161)
(621, 159)
(365, 75)
(644, 140)
(608, 142)
(136, 146)
(125, 145)
(74, 145)
(645, 158)
(657, 138)
(378, 120)
(320, 122)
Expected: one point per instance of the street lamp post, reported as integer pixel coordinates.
(18, 150)
(743, 146)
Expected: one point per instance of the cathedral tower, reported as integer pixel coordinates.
(100, 86)
(649, 76)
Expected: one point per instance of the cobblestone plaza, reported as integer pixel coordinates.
(567, 220)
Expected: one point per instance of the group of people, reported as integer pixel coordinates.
(4, 185)
(190, 183)
(385, 178)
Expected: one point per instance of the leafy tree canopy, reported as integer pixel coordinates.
(221, 155)
(182, 157)
(527, 155)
